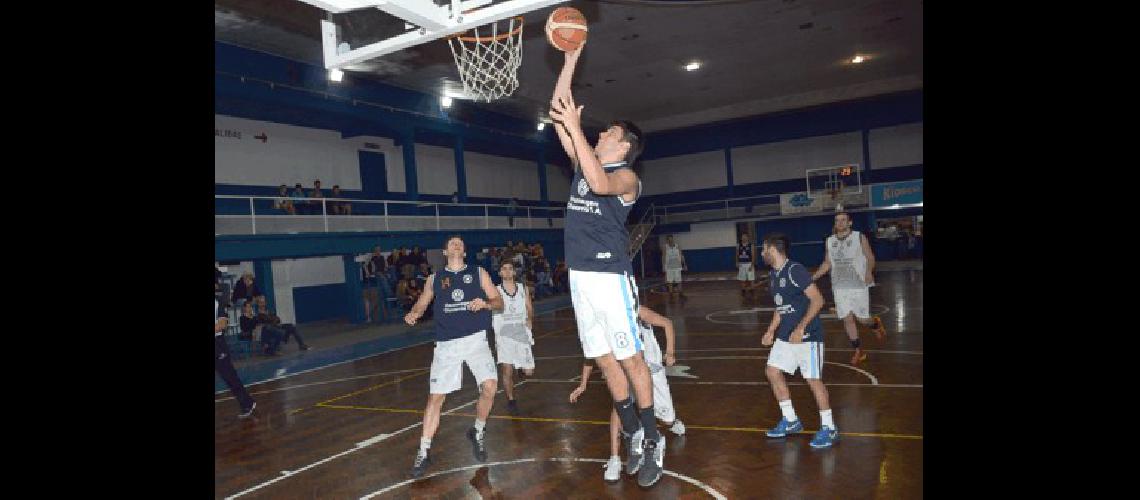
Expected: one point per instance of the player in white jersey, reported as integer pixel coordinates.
(746, 265)
(852, 263)
(514, 334)
(674, 264)
(662, 398)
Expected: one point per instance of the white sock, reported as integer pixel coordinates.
(479, 425)
(788, 411)
(825, 418)
(615, 457)
(425, 443)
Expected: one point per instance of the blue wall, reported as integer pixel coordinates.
(314, 303)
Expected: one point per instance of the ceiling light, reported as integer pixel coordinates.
(445, 101)
(693, 66)
(858, 59)
(336, 75)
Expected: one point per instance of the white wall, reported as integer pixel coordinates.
(435, 170)
(685, 173)
(557, 184)
(289, 155)
(500, 177)
(706, 235)
(295, 273)
(895, 146)
(789, 159)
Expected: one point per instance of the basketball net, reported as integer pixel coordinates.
(489, 58)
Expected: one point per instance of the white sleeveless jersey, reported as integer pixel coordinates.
(511, 323)
(672, 257)
(848, 263)
(653, 356)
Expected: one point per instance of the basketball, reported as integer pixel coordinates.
(566, 29)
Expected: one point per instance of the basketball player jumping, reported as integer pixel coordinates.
(662, 398)
(851, 262)
(462, 317)
(514, 331)
(602, 288)
(798, 337)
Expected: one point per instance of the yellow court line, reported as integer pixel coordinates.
(362, 391)
(606, 422)
(325, 404)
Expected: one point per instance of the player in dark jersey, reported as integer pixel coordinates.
(602, 288)
(746, 265)
(798, 337)
(462, 319)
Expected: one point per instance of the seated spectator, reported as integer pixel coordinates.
(245, 290)
(284, 204)
(300, 206)
(422, 274)
(409, 292)
(544, 285)
(316, 195)
(340, 208)
(251, 327)
(272, 324)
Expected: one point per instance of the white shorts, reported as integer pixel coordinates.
(672, 275)
(807, 356)
(447, 362)
(513, 352)
(852, 300)
(605, 305)
(746, 272)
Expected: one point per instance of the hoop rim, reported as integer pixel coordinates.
(485, 39)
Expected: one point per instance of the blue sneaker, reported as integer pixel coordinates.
(784, 428)
(825, 437)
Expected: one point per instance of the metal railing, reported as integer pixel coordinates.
(272, 215)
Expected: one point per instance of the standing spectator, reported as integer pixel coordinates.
(512, 210)
(245, 290)
(315, 197)
(300, 206)
(562, 277)
(225, 367)
(272, 324)
(284, 204)
(370, 283)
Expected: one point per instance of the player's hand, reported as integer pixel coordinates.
(564, 110)
(477, 304)
(768, 339)
(411, 318)
(577, 392)
(797, 335)
(670, 359)
(869, 279)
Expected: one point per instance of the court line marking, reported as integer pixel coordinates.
(768, 309)
(361, 391)
(829, 349)
(357, 447)
(607, 422)
(552, 311)
(746, 382)
(279, 389)
(708, 489)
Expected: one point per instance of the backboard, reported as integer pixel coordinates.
(359, 30)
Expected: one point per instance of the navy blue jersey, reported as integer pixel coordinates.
(744, 253)
(596, 237)
(787, 286)
(453, 291)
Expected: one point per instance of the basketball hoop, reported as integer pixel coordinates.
(489, 62)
